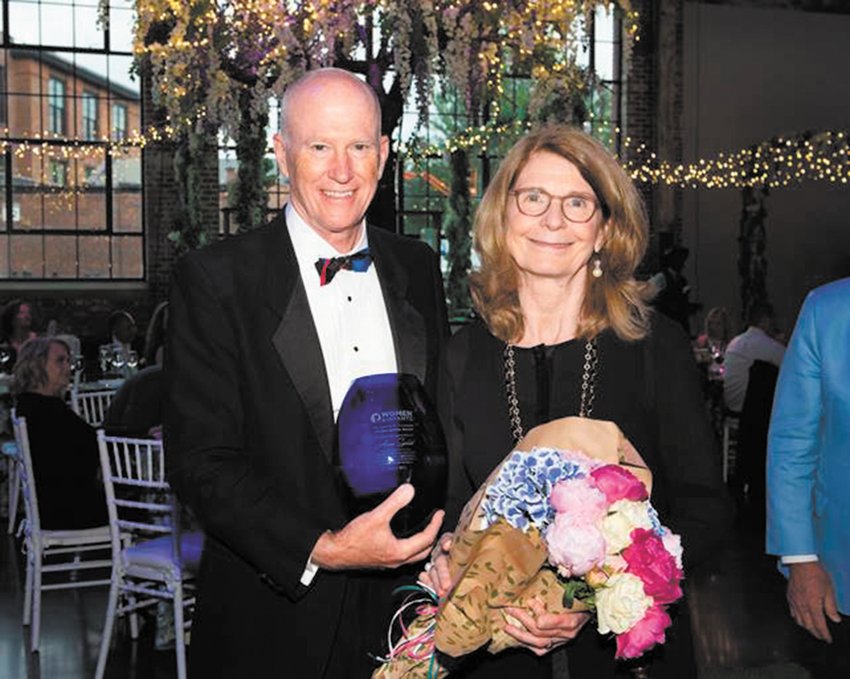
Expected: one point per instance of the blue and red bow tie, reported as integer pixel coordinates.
(327, 268)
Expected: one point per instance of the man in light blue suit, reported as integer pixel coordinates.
(808, 472)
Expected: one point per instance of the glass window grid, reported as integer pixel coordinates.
(100, 241)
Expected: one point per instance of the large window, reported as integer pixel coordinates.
(70, 191)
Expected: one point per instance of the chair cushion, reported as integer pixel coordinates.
(157, 553)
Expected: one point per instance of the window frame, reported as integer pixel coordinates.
(108, 233)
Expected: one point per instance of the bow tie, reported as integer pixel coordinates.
(327, 268)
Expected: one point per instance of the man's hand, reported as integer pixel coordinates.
(810, 595)
(367, 541)
(540, 631)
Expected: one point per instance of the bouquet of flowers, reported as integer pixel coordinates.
(565, 519)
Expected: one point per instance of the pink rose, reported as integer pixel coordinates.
(573, 548)
(647, 632)
(654, 565)
(673, 544)
(579, 500)
(618, 484)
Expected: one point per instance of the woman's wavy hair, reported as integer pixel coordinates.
(30, 371)
(7, 318)
(615, 300)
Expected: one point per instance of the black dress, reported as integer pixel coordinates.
(65, 463)
(650, 389)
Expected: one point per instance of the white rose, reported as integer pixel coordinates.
(621, 603)
(623, 517)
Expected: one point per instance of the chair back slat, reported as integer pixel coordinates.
(139, 498)
(27, 476)
(92, 405)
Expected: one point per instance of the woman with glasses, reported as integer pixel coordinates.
(564, 329)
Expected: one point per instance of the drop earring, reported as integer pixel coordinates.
(596, 271)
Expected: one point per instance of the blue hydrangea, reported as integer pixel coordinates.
(520, 492)
(657, 528)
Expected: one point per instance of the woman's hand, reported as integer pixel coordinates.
(436, 573)
(540, 631)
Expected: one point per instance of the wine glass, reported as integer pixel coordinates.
(5, 358)
(118, 360)
(132, 360)
(104, 357)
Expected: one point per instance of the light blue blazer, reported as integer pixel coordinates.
(808, 450)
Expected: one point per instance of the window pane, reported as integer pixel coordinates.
(23, 22)
(27, 256)
(4, 255)
(127, 192)
(60, 256)
(91, 206)
(87, 31)
(60, 209)
(94, 256)
(127, 257)
(121, 27)
(56, 25)
(122, 84)
(26, 189)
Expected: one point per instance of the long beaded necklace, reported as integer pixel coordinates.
(588, 385)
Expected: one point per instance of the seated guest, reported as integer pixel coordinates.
(754, 344)
(136, 408)
(63, 447)
(716, 331)
(122, 330)
(16, 325)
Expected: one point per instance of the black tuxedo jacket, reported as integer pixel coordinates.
(249, 436)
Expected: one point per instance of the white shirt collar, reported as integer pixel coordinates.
(309, 245)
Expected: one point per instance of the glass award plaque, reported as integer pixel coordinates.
(389, 434)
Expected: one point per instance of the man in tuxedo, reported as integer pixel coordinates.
(808, 475)
(266, 333)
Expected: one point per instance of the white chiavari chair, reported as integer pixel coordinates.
(69, 558)
(153, 560)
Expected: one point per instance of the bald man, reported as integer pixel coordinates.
(263, 344)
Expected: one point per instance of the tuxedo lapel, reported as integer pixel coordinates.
(295, 338)
(408, 326)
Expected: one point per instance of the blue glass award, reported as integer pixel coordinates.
(389, 434)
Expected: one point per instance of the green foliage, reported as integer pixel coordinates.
(576, 589)
(192, 156)
(250, 193)
(458, 227)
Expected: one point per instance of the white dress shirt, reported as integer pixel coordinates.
(350, 317)
(349, 312)
(751, 345)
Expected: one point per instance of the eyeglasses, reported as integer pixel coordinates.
(535, 202)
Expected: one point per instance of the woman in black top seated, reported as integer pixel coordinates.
(63, 447)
